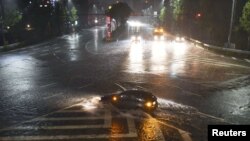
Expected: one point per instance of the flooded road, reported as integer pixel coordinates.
(40, 86)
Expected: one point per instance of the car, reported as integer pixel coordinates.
(159, 34)
(132, 99)
(136, 38)
(179, 38)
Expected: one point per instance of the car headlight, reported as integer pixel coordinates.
(133, 38)
(114, 98)
(182, 39)
(162, 37)
(139, 38)
(178, 39)
(155, 37)
(149, 104)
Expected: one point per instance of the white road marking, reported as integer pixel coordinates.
(107, 124)
(234, 58)
(44, 54)
(47, 85)
(215, 62)
(123, 88)
(247, 60)
(131, 126)
(46, 50)
(65, 137)
(23, 51)
(55, 95)
(58, 127)
(107, 119)
(69, 118)
(184, 134)
(210, 116)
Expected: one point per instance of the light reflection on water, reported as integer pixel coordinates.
(154, 57)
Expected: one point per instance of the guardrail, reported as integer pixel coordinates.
(226, 51)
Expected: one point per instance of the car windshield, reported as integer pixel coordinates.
(65, 64)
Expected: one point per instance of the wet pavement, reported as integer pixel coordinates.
(40, 86)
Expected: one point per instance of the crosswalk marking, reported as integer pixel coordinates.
(131, 127)
(69, 118)
(66, 137)
(107, 117)
(58, 127)
(131, 134)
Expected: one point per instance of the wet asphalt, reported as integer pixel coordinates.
(194, 87)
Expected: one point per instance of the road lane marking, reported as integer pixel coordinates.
(107, 124)
(51, 96)
(215, 62)
(66, 137)
(47, 85)
(45, 50)
(210, 116)
(131, 126)
(234, 58)
(107, 119)
(44, 54)
(184, 134)
(247, 60)
(69, 118)
(120, 86)
(57, 127)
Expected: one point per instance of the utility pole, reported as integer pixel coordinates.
(2, 27)
(231, 24)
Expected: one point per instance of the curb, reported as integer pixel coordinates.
(221, 50)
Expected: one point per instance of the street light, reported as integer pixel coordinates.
(2, 27)
(231, 24)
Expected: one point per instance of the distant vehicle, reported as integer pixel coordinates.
(133, 98)
(179, 38)
(159, 33)
(136, 38)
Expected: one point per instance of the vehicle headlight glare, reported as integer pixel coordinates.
(133, 37)
(114, 98)
(149, 104)
(162, 37)
(155, 37)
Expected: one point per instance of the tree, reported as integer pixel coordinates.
(73, 15)
(245, 21)
(12, 18)
(162, 15)
(245, 18)
(120, 12)
(177, 6)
